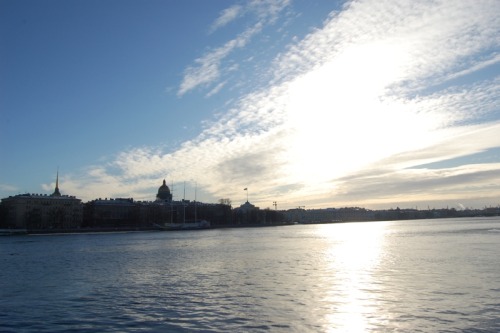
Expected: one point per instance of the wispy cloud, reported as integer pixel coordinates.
(207, 69)
(226, 16)
(350, 110)
(216, 89)
(8, 188)
(422, 187)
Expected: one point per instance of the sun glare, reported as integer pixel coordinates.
(338, 116)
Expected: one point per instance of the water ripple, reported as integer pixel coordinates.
(378, 277)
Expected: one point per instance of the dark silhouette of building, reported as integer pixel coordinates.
(164, 193)
(43, 212)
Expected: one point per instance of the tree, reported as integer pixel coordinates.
(226, 202)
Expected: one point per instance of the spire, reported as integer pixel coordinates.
(56, 190)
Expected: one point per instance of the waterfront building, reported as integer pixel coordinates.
(247, 207)
(126, 213)
(301, 215)
(43, 212)
(166, 210)
(248, 213)
(112, 213)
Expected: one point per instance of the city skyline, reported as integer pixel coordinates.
(320, 104)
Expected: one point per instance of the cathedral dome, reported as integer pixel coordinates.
(164, 192)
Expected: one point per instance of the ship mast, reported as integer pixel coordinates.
(184, 204)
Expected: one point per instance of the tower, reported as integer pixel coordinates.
(56, 190)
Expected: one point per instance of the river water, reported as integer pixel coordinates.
(401, 276)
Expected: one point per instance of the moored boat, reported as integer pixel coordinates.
(192, 225)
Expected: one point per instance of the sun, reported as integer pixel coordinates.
(341, 117)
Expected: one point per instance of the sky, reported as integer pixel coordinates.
(307, 103)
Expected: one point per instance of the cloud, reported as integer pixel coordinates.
(425, 35)
(8, 188)
(216, 89)
(226, 16)
(207, 69)
(402, 180)
(410, 188)
(347, 115)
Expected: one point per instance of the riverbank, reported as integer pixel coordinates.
(13, 232)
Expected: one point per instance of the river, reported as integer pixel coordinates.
(439, 275)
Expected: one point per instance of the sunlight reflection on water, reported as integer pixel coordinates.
(353, 251)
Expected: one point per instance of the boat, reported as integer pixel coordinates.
(12, 232)
(186, 225)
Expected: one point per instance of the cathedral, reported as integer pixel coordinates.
(164, 193)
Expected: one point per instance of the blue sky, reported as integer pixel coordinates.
(308, 103)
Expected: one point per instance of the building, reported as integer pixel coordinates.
(43, 212)
(112, 213)
(125, 213)
(164, 193)
(248, 214)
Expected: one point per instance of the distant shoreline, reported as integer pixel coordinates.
(18, 232)
(13, 232)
